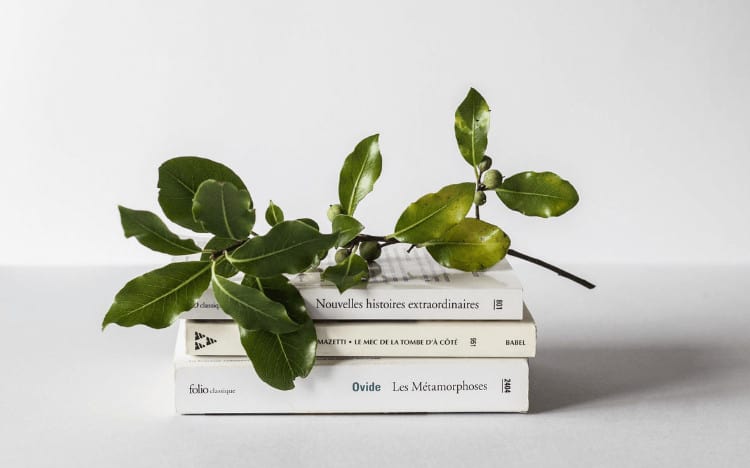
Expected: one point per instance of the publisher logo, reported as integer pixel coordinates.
(195, 389)
(201, 341)
(199, 389)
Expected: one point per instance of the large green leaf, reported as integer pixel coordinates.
(179, 179)
(156, 298)
(470, 245)
(358, 175)
(289, 247)
(215, 245)
(348, 273)
(274, 214)
(280, 359)
(429, 217)
(223, 209)
(542, 194)
(347, 228)
(151, 231)
(279, 289)
(471, 126)
(250, 308)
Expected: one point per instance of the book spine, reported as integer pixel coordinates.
(409, 304)
(383, 339)
(387, 385)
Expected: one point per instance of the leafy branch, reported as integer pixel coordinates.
(275, 328)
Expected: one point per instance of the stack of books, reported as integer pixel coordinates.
(419, 338)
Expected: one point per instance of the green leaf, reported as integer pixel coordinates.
(156, 298)
(289, 247)
(279, 289)
(471, 126)
(250, 308)
(347, 228)
(280, 359)
(429, 217)
(223, 209)
(542, 194)
(179, 179)
(347, 274)
(470, 245)
(358, 175)
(274, 214)
(222, 267)
(151, 231)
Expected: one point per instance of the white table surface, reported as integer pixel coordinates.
(652, 368)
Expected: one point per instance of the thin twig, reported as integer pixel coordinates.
(219, 253)
(558, 270)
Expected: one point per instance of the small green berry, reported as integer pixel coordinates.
(480, 198)
(333, 211)
(370, 250)
(492, 179)
(341, 255)
(485, 163)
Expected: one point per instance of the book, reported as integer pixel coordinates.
(403, 286)
(402, 338)
(218, 385)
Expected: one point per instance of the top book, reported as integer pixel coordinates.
(403, 286)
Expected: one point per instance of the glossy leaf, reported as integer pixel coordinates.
(429, 217)
(151, 231)
(471, 126)
(156, 298)
(179, 179)
(347, 228)
(358, 175)
(289, 247)
(349, 273)
(223, 209)
(280, 359)
(279, 289)
(274, 214)
(217, 244)
(250, 308)
(542, 194)
(470, 245)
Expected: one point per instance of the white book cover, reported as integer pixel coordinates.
(403, 286)
(402, 338)
(215, 385)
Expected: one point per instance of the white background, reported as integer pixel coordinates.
(643, 105)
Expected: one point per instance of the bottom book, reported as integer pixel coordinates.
(221, 384)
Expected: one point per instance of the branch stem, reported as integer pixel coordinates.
(367, 237)
(215, 256)
(384, 241)
(549, 266)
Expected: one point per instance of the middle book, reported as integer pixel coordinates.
(401, 338)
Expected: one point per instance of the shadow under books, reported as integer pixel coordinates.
(568, 376)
